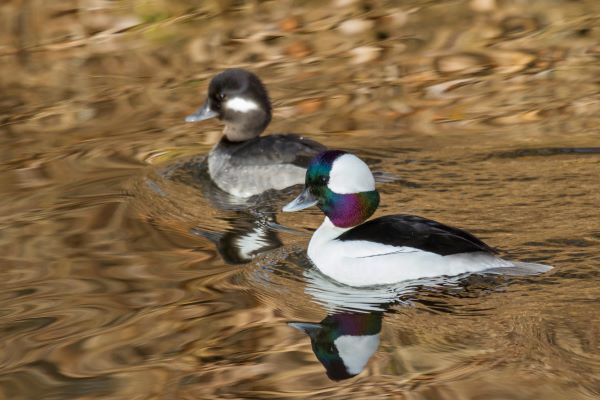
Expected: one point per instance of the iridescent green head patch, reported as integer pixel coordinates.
(319, 168)
(344, 210)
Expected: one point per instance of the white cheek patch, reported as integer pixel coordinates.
(349, 174)
(240, 104)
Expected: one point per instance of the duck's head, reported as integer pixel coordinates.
(343, 342)
(239, 99)
(341, 185)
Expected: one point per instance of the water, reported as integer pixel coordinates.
(122, 275)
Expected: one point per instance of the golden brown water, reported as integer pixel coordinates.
(485, 112)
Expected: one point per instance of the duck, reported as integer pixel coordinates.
(243, 163)
(344, 341)
(355, 251)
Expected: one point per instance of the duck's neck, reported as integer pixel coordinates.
(322, 236)
(355, 323)
(239, 133)
(246, 126)
(329, 231)
(348, 210)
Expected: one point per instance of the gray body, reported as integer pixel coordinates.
(251, 167)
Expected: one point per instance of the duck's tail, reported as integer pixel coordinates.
(521, 268)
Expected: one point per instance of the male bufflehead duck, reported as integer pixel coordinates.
(242, 163)
(344, 342)
(387, 249)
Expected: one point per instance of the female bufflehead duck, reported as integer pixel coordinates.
(247, 236)
(242, 163)
(387, 249)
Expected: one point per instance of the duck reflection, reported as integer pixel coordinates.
(344, 341)
(248, 236)
(253, 228)
(349, 335)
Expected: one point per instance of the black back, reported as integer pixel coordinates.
(417, 232)
(271, 150)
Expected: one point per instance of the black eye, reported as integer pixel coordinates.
(222, 96)
(324, 180)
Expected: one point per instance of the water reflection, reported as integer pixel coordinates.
(344, 342)
(248, 236)
(348, 337)
(251, 222)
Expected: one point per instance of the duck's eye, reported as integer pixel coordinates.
(222, 96)
(324, 180)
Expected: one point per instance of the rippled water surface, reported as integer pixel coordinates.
(125, 275)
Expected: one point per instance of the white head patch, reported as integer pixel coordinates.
(240, 104)
(350, 174)
(355, 351)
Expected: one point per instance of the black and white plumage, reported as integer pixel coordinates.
(244, 164)
(418, 233)
(344, 342)
(384, 250)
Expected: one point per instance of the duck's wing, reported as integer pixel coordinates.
(276, 149)
(416, 232)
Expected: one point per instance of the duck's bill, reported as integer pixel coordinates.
(309, 328)
(204, 112)
(304, 200)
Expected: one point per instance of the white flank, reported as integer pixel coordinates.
(355, 351)
(365, 263)
(349, 174)
(240, 104)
